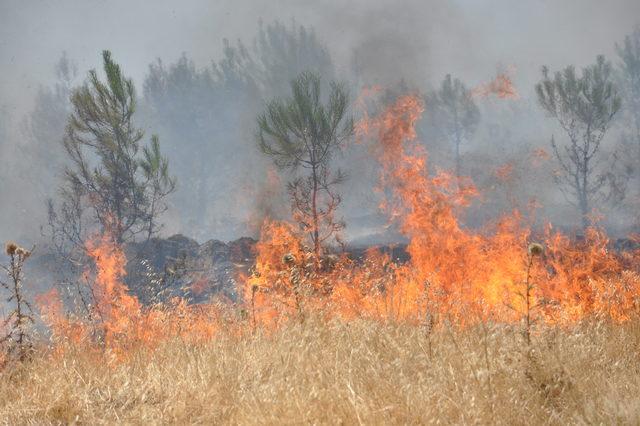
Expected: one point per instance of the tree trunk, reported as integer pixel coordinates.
(314, 210)
(458, 162)
(584, 210)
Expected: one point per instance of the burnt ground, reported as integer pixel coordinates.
(178, 266)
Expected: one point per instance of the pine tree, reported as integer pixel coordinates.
(453, 114)
(302, 134)
(103, 144)
(44, 127)
(584, 106)
(629, 82)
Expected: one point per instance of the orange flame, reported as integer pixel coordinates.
(118, 321)
(502, 87)
(453, 272)
(114, 306)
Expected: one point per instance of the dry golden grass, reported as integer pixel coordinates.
(345, 373)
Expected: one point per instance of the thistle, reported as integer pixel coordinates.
(22, 252)
(288, 259)
(11, 248)
(535, 249)
(17, 322)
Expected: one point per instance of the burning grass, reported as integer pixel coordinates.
(454, 272)
(439, 338)
(344, 372)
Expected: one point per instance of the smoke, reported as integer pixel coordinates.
(421, 40)
(371, 42)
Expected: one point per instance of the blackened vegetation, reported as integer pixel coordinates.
(180, 267)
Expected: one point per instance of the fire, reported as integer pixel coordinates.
(270, 290)
(539, 156)
(114, 307)
(456, 270)
(479, 274)
(454, 273)
(117, 321)
(505, 173)
(502, 87)
(64, 329)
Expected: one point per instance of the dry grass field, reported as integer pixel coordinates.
(343, 373)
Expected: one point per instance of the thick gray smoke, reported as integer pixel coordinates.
(410, 44)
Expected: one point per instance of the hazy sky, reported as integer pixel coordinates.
(419, 39)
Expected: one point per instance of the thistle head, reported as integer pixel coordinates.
(535, 249)
(11, 248)
(288, 259)
(23, 252)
